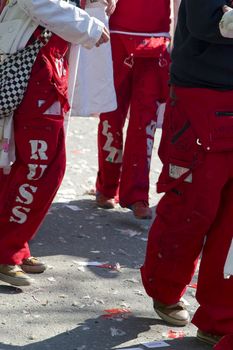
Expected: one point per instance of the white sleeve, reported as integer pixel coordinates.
(65, 20)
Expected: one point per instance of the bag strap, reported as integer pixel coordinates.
(45, 36)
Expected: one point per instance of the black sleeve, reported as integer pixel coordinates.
(202, 20)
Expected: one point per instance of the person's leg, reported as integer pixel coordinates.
(149, 88)
(214, 292)
(183, 216)
(32, 183)
(110, 129)
(28, 190)
(192, 181)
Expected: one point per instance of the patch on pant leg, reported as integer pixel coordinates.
(228, 268)
(115, 154)
(55, 109)
(176, 171)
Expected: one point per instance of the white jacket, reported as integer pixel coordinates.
(20, 18)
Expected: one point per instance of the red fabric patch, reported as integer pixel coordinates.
(111, 313)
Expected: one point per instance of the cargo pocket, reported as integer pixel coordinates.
(178, 150)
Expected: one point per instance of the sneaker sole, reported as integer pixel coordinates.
(33, 269)
(15, 281)
(171, 320)
(207, 339)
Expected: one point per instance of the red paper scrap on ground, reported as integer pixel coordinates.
(174, 334)
(193, 285)
(116, 313)
(110, 266)
(107, 266)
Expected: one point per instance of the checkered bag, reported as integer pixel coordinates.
(15, 70)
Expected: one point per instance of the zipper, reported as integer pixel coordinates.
(224, 114)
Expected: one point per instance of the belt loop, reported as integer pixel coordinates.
(129, 61)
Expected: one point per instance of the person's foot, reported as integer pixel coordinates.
(208, 338)
(141, 210)
(103, 202)
(175, 314)
(33, 265)
(14, 275)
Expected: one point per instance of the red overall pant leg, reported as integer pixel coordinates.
(29, 189)
(139, 86)
(110, 129)
(214, 292)
(149, 87)
(27, 192)
(193, 181)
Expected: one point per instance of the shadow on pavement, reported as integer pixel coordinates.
(78, 228)
(91, 333)
(5, 289)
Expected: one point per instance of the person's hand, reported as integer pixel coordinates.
(111, 6)
(226, 8)
(104, 37)
(226, 23)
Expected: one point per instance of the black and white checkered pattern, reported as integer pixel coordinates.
(15, 70)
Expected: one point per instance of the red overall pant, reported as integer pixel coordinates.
(196, 208)
(139, 86)
(27, 192)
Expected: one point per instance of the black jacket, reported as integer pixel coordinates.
(201, 57)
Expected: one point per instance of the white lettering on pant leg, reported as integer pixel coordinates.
(38, 149)
(228, 268)
(115, 155)
(150, 132)
(19, 216)
(112, 150)
(59, 64)
(26, 191)
(33, 170)
(26, 196)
